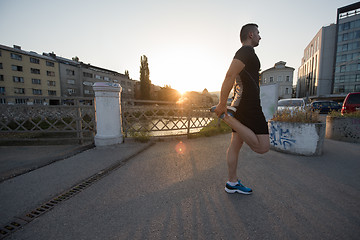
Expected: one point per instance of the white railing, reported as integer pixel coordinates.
(163, 118)
(71, 119)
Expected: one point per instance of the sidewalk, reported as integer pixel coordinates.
(165, 193)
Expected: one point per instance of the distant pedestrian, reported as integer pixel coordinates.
(248, 124)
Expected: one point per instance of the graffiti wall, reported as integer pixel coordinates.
(297, 138)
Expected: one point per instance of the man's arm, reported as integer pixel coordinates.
(234, 70)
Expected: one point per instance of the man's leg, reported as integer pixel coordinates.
(258, 143)
(232, 156)
(234, 185)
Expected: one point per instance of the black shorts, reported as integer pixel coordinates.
(253, 118)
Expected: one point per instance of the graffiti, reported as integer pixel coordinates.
(281, 137)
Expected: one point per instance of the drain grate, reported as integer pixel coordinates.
(43, 208)
(19, 222)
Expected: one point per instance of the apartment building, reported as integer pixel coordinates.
(77, 78)
(28, 76)
(347, 63)
(315, 75)
(331, 63)
(279, 74)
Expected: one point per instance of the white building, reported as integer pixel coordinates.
(282, 75)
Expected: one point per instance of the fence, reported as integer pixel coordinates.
(163, 118)
(71, 119)
(74, 119)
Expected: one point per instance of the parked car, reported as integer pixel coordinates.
(325, 106)
(291, 104)
(351, 103)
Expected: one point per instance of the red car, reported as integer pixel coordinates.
(351, 103)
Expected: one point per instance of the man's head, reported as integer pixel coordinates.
(249, 34)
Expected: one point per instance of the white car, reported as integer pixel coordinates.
(290, 104)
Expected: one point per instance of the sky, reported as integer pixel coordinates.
(189, 43)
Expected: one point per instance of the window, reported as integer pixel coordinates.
(97, 76)
(271, 79)
(19, 90)
(1, 77)
(51, 83)
(16, 56)
(288, 78)
(342, 79)
(20, 101)
(16, 68)
(18, 79)
(89, 75)
(38, 101)
(343, 68)
(279, 78)
(107, 79)
(341, 88)
(35, 81)
(344, 47)
(35, 71)
(86, 91)
(50, 73)
(70, 72)
(50, 64)
(71, 81)
(1, 66)
(51, 93)
(71, 90)
(357, 88)
(357, 79)
(287, 91)
(2, 101)
(34, 60)
(37, 91)
(2, 90)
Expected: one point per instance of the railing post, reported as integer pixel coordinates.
(79, 131)
(108, 113)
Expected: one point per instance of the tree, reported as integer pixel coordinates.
(166, 93)
(127, 74)
(145, 82)
(76, 59)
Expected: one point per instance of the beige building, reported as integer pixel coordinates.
(77, 78)
(31, 78)
(28, 76)
(281, 75)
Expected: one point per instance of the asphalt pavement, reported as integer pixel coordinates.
(175, 190)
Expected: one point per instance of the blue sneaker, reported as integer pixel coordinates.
(230, 111)
(237, 188)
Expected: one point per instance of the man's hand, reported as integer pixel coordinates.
(220, 109)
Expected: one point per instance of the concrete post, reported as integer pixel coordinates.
(108, 113)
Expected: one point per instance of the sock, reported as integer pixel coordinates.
(232, 183)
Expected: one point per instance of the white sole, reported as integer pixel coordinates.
(236, 191)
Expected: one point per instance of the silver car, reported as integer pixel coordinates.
(290, 104)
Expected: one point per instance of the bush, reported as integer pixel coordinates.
(346, 115)
(297, 115)
(212, 129)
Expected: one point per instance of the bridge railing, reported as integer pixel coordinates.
(71, 118)
(163, 118)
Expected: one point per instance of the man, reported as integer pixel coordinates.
(248, 124)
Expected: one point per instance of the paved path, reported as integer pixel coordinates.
(167, 194)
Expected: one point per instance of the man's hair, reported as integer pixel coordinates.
(246, 29)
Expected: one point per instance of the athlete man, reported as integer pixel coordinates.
(248, 124)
